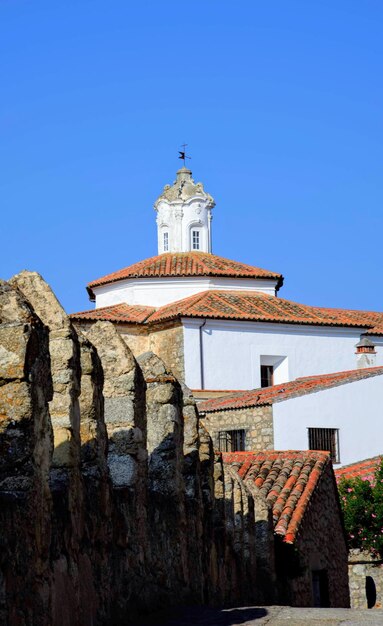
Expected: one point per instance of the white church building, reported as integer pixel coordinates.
(219, 324)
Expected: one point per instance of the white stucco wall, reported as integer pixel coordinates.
(160, 291)
(232, 352)
(356, 409)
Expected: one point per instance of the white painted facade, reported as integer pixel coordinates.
(184, 216)
(227, 355)
(356, 409)
(223, 354)
(157, 292)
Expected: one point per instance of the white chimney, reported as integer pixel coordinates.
(365, 353)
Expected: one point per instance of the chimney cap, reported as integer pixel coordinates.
(365, 343)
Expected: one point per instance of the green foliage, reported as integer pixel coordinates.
(362, 505)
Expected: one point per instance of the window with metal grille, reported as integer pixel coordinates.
(325, 439)
(195, 239)
(166, 242)
(267, 372)
(231, 440)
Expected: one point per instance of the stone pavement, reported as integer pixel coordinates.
(271, 615)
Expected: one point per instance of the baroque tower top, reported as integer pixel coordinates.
(184, 216)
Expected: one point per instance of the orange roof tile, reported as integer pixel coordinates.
(252, 306)
(374, 319)
(286, 479)
(362, 469)
(284, 391)
(116, 313)
(259, 307)
(186, 264)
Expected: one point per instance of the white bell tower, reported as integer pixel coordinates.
(184, 216)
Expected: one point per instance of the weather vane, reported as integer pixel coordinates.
(183, 154)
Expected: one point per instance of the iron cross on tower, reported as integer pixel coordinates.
(183, 154)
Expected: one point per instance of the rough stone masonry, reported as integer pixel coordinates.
(112, 502)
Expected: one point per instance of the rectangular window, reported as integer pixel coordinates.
(325, 439)
(267, 372)
(166, 242)
(231, 440)
(195, 235)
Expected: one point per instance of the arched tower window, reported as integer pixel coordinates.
(165, 241)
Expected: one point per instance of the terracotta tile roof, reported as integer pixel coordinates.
(284, 391)
(186, 264)
(253, 306)
(256, 306)
(116, 313)
(363, 469)
(374, 319)
(286, 479)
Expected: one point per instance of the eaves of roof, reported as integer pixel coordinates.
(251, 306)
(286, 391)
(116, 313)
(255, 306)
(186, 264)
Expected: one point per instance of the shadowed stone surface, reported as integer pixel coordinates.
(125, 516)
(124, 392)
(25, 458)
(72, 566)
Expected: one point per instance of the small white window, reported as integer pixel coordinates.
(195, 239)
(166, 242)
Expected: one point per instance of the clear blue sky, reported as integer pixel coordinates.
(280, 102)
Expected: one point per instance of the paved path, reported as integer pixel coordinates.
(271, 615)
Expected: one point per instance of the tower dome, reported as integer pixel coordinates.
(184, 216)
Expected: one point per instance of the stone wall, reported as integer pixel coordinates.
(136, 337)
(256, 421)
(365, 580)
(26, 445)
(166, 340)
(320, 546)
(112, 502)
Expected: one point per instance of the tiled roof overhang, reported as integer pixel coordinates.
(285, 391)
(287, 480)
(186, 264)
(254, 306)
(117, 313)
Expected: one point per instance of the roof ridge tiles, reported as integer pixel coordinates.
(295, 474)
(308, 491)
